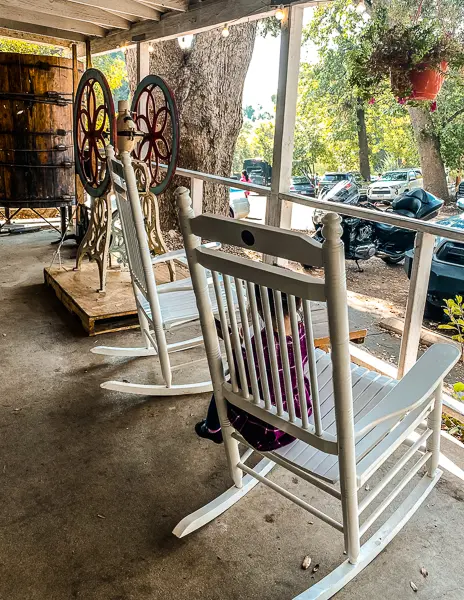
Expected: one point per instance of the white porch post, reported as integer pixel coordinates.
(423, 252)
(143, 60)
(279, 214)
(197, 195)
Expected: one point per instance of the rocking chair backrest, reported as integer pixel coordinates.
(138, 252)
(258, 388)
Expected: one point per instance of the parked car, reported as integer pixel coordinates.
(330, 180)
(447, 270)
(260, 168)
(239, 205)
(394, 183)
(302, 185)
(257, 178)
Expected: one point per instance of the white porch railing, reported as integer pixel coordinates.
(424, 244)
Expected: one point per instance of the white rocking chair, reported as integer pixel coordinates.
(159, 308)
(359, 418)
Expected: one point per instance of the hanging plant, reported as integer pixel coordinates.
(414, 56)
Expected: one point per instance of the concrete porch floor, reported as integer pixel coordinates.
(93, 482)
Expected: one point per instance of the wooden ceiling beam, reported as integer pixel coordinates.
(201, 17)
(68, 10)
(124, 7)
(180, 5)
(33, 18)
(35, 38)
(28, 31)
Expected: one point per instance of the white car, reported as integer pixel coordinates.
(239, 205)
(394, 183)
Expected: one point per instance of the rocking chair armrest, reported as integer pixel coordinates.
(175, 286)
(161, 258)
(414, 388)
(182, 285)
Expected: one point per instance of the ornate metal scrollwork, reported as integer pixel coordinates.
(96, 241)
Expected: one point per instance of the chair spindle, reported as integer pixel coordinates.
(308, 322)
(284, 355)
(225, 330)
(298, 362)
(235, 337)
(259, 344)
(263, 292)
(247, 339)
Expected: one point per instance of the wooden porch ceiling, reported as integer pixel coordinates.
(109, 24)
(67, 21)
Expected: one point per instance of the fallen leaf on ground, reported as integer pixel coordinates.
(413, 586)
(269, 518)
(316, 568)
(306, 562)
(424, 572)
(101, 516)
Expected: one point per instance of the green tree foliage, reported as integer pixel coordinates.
(262, 143)
(113, 66)
(326, 136)
(242, 147)
(256, 140)
(22, 47)
(448, 121)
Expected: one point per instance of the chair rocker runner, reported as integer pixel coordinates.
(359, 418)
(159, 308)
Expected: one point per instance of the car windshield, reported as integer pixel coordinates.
(300, 180)
(335, 177)
(395, 176)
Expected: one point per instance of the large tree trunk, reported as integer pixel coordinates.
(433, 169)
(207, 82)
(364, 165)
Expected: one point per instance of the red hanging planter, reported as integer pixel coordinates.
(424, 82)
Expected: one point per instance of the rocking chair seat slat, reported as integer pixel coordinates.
(361, 380)
(368, 390)
(179, 306)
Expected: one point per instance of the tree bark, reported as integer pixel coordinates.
(364, 165)
(433, 169)
(207, 81)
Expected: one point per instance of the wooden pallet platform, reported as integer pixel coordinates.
(113, 310)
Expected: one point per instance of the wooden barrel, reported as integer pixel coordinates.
(36, 148)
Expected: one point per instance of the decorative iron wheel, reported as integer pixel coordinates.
(93, 131)
(155, 113)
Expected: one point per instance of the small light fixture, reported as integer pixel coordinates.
(150, 48)
(280, 13)
(185, 41)
(225, 32)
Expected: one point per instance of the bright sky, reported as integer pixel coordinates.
(261, 81)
